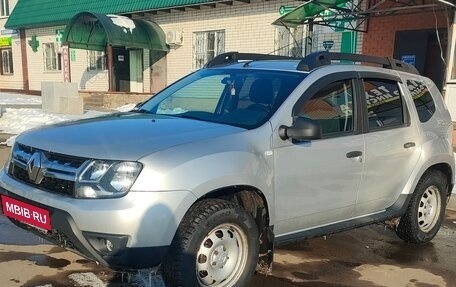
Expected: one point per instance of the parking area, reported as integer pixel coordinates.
(369, 256)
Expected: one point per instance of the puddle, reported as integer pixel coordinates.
(13, 235)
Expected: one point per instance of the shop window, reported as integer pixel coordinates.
(4, 8)
(52, 57)
(384, 103)
(206, 46)
(96, 61)
(288, 41)
(6, 61)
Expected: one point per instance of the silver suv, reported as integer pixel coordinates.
(253, 151)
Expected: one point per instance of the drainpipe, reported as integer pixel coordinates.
(25, 75)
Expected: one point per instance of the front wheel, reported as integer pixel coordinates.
(426, 209)
(216, 245)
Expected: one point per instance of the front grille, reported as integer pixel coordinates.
(47, 171)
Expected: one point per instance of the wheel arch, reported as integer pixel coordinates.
(255, 203)
(447, 171)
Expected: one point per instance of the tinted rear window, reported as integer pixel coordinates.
(424, 102)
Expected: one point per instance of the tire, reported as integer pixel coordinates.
(426, 209)
(216, 244)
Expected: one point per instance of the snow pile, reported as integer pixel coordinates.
(126, 108)
(18, 99)
(86, 279)
(15, 121)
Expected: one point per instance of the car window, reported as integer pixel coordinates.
(423, 100)
(201, 95)
(239, 97)
(332, 107)
(384, 103)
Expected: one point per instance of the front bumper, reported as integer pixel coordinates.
(139, 226)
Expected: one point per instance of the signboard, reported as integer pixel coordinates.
(9, 32)
(409, 59)
(286, 9)
(72, 55)
(59, 35)
(66, 64)
(328, 45)
(5, 41)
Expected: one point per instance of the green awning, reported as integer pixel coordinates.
(308, 10)
(92, 31)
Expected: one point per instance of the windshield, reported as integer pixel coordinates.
(243, 98)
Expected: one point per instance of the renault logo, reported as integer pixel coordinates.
(34, 170)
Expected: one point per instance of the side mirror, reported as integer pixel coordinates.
(302, 129)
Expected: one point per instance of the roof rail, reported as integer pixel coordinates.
(234, 57)
(324, 58)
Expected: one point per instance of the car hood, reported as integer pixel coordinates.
(122, 136)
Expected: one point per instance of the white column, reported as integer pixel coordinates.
(450, 86)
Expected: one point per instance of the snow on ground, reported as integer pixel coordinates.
(15, 120)
(19, 99)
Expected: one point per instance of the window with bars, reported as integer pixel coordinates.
(206, 46)
(288, 42)
(52, 57)
(4, 8)
(6, 61)
(96, 61)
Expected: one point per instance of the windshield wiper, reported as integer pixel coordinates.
(186, 116)
(141, 111)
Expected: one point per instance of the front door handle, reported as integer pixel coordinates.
(355, 153)
(409, 145)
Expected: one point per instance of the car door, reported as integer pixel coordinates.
(392, 149)
(316, 182)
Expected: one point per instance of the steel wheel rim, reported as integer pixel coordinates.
(222, 256)
(429, 209)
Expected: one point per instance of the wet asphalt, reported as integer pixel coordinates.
(367, 257)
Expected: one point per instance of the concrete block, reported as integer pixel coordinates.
(61, 98)
(72, 106)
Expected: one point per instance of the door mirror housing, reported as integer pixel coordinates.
(303, 129)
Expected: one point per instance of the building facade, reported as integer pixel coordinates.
(32, 51)
(195, 33)
(11, 77)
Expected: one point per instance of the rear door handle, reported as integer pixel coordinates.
(355, 153)
(409, 145)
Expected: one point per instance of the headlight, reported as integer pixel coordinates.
(104, 179)
(8, 161)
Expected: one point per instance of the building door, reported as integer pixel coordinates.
(121, 65)
(421, 48)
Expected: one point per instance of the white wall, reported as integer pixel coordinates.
(13, 81)
(247, 29)
(450, 87)
(87, 80)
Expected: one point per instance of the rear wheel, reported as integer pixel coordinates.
(215, 245)
(426, 209)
